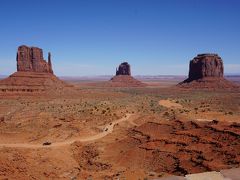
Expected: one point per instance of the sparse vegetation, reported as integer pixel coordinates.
(63, 118)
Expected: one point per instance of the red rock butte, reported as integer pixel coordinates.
(206, 71)
(30, 59)
(34, 74)
(123, 69)
(123, 77)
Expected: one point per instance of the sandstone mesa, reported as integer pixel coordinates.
(206, 71)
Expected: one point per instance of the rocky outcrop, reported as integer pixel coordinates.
(30, 59)
(206, 71)
(123, 69)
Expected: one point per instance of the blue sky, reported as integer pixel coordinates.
(92, 37)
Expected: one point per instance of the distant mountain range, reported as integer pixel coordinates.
(140, 77)
(2, 76)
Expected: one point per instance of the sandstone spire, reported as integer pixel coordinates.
(50, 63)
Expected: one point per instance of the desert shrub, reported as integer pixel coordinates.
(103, 111)
(1, 119)
(166, 114)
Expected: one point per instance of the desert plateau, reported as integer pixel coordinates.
(120, 90)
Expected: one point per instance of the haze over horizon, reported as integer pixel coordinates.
(89, 38)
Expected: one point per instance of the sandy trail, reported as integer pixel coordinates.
(169, 104)
(107, 130)
(204, 120)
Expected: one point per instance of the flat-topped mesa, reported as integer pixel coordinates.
(206, 72)
(204, 66)
(123, 69)
(30, 59)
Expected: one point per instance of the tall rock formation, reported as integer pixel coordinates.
(50, 62)
(33, 74)
(123, 69)
(205, 65)
(206, 71)
(123, 77)
(30, 59)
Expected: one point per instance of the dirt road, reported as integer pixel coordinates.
(107, 130)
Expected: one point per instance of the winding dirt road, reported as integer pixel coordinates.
(107, 130)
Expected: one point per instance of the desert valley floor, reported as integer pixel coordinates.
(98, 132)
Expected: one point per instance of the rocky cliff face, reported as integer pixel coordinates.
(123, 69)
(30, 59)
(205, 65)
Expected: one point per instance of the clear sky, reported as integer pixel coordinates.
(92, 37)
